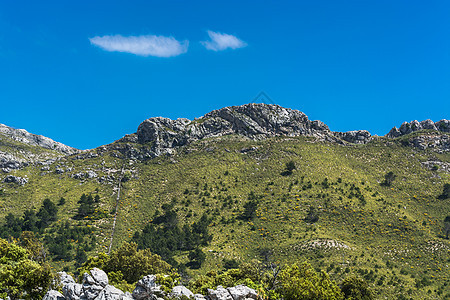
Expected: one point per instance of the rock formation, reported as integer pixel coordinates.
(406, 128)
(95, 287)
(23, 136)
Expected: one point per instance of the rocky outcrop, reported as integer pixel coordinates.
(15, 179)
(253, 121)
(239, 292)
(95, 287)
(355, 136)
(160, 136)
(23, 136)
(406, 128)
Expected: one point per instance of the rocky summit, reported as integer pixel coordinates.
(252, 121)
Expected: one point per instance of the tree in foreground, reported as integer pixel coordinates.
(21, 277)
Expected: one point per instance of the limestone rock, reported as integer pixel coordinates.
(15, 179)
(355, 136)
(406, 128)
(180, 290)
(242, 292)
(53, 295)
(65, 278)
(147, 288)
(219, 293)
(23, 136)
(99, 277)
(72, 291)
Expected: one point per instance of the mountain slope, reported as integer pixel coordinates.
(334, 209)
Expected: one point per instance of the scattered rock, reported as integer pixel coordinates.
(15, 179)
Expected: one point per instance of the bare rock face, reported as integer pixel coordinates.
(355, 136)
(254, 121)
(435, 141)
(23, 136)
(406, 128)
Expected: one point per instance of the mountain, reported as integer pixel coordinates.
(19, 148)
(271, 184)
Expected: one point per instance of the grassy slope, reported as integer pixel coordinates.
(395, 233)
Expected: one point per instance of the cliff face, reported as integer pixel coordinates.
(19, 148)
(406, 128)
(254, 121)
(23, 136)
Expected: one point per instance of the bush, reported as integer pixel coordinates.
(356, 288)
(304, 283)
(289, 167)
(130, 262)
(21, 277)
(388, 178)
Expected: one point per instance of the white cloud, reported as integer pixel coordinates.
(221, 41)
(143, 45)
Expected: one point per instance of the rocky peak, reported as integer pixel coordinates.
(409, 127)
(23, 136)
(254, 121)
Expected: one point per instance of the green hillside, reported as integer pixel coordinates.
(333, 209)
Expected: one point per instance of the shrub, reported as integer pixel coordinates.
(356, 288)
(304, 283)
(21, 277)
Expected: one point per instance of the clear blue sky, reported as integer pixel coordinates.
(66, 70)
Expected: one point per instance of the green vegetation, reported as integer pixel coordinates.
(21, 277)
(335, 210)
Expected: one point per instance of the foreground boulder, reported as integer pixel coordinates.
(147, 288)
(95, 286)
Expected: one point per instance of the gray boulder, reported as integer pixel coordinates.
(72, 291)
(147, 288)
(181, 290)
(242, 292)
(53, 295)
(15, 179)
(220, 293)
(112, 293)
(23, 136)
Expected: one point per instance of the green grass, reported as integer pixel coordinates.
(395, 231)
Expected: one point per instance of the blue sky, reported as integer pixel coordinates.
(66, 70)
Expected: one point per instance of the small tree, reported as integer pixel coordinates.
(289, 167)
(388, 178)
(356, 288)
(312, 216)
(447, 226)
(445, 192)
